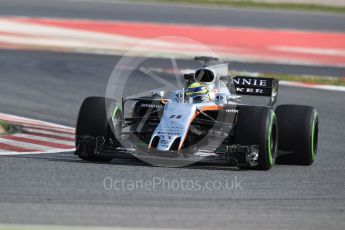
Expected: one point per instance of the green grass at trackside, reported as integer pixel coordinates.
(262, 5)
(7, 128)
(4, 126)
(311, 79)
(322, 80)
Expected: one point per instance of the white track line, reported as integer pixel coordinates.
(74, 227)
(67, 37)
(305, 50)
(4, 153)
(47, 139)
(48, 132)
(312, 86)
(48, 128)
(23, 145)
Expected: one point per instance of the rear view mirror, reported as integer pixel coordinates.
(224, 78)
(188, 76)
(157, 93)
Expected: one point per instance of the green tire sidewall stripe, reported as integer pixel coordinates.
(117, 108)
(312, 147)
(270, 157)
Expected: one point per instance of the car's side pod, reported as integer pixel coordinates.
(255, 86)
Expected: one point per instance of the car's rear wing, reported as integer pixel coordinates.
(256, 86)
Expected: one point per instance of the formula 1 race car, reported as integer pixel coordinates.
(203, 121)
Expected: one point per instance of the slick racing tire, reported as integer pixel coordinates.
(298, 134)
(93, 122)
(257, 125)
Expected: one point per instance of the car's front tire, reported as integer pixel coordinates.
(93, 122)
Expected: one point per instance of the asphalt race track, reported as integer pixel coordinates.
(61, 189)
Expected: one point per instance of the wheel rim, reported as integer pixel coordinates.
(271, 141)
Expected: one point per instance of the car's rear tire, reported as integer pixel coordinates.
(257, 125)
(93, 121)
(298, 133)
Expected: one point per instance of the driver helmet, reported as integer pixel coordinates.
(198, 92)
